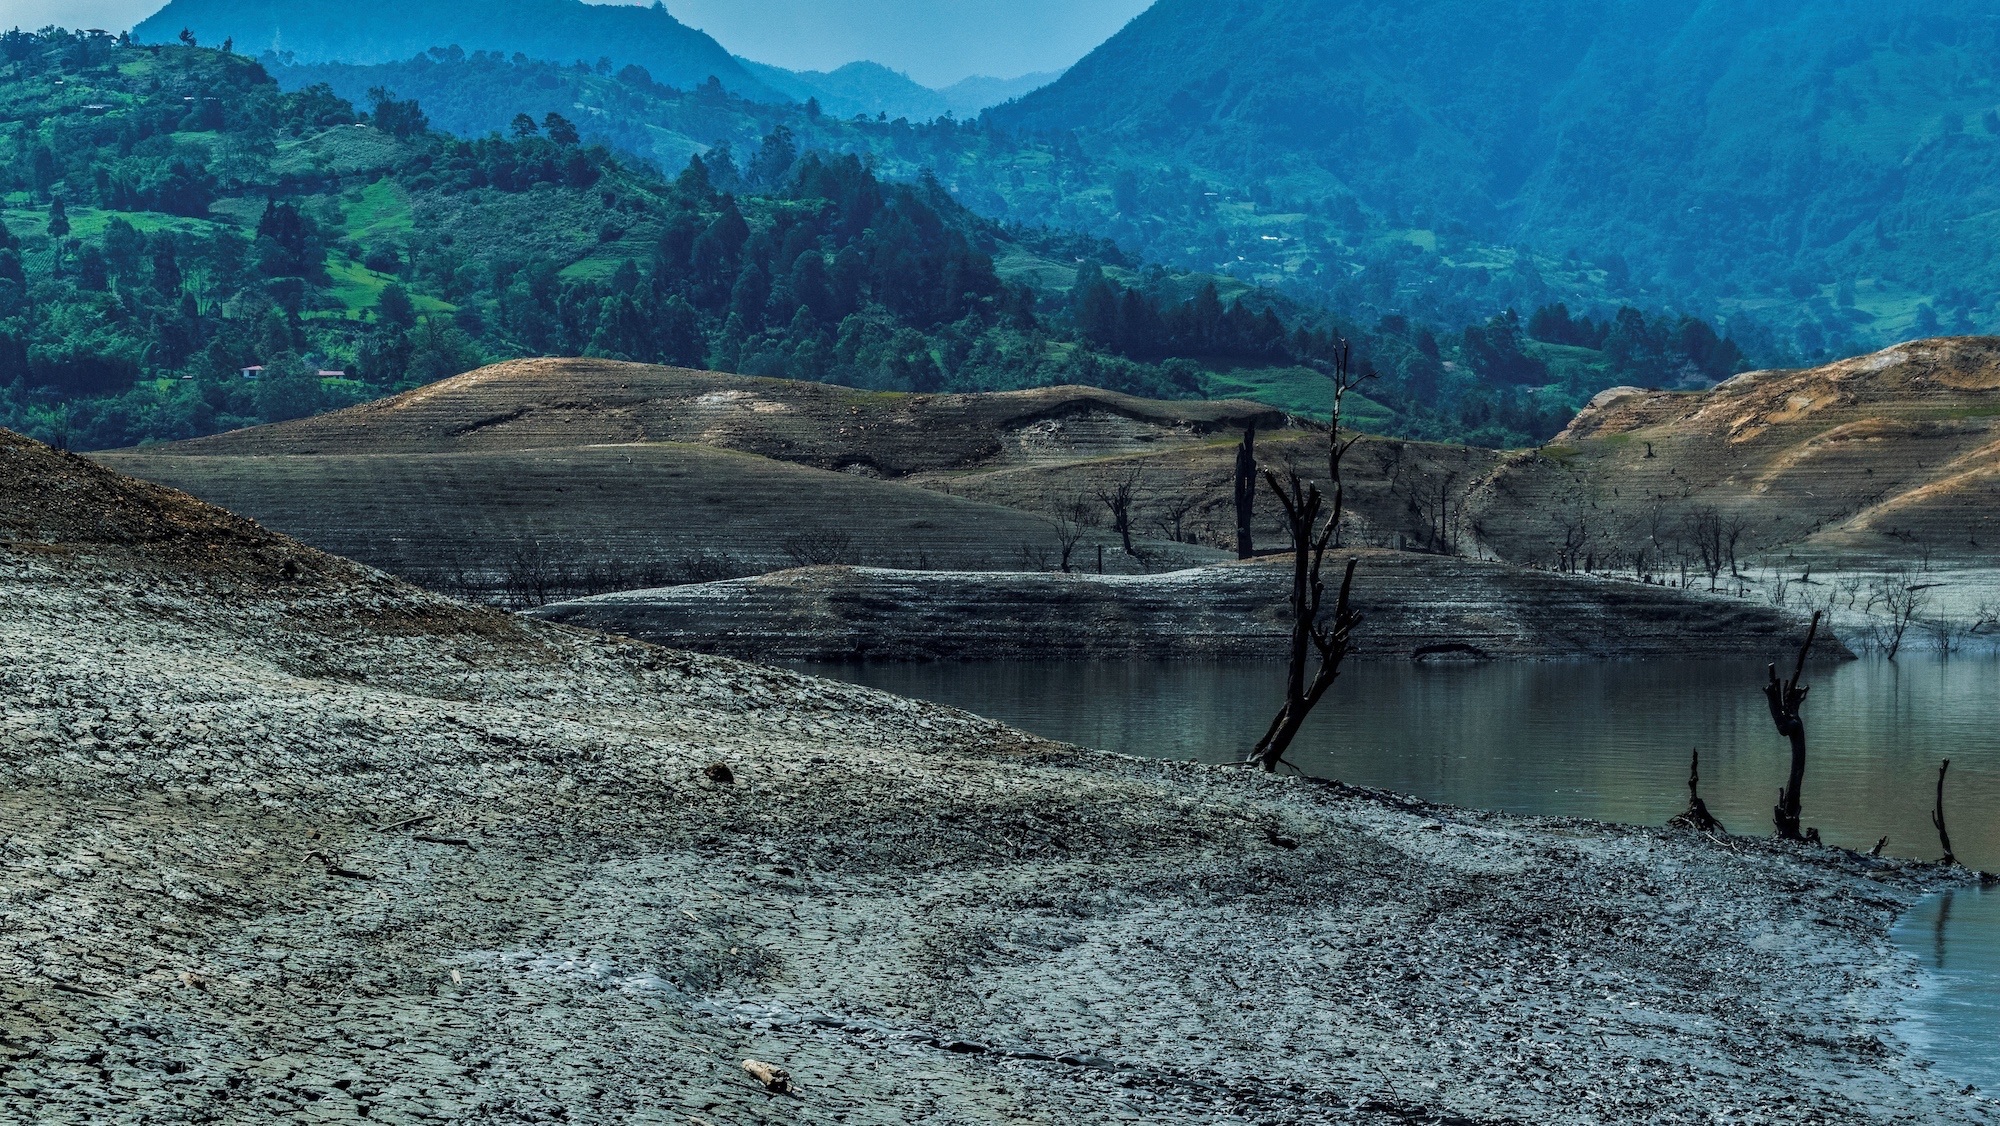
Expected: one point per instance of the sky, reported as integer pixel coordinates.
(937, 42)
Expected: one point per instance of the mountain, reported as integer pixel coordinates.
(1825, 167)
(969, 96)
(604, 35)
(864, 88)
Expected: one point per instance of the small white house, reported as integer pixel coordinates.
(255, 371)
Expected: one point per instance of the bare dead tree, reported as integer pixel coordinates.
(1441, 506)
(1246, 492)
(1316, 634)
(1937, 818)
(1985, 617)
(1070, 522)
(696, 568)
(1947, 634)
(1734, 531)
(1173, 514)
(1902, 598)
(1704, 528)
(1785, 700)
(1117, 496)
(1697, 816)
(824, 547)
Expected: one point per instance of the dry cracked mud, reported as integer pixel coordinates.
(285, 839)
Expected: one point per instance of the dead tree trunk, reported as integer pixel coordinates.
(1246, 492)
(1785, 700)
(1315, 633)
(1118, 498)
(1697, 816)
(1937, 818)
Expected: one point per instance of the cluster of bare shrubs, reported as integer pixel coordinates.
(1894, 606)
(536, 576)
(821, 547)
(1116, 506)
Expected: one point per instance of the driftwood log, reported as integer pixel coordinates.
(774, 1078)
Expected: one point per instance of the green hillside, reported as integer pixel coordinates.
(1823, 171)
(172, 218)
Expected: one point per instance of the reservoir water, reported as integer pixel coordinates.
(1603, 740)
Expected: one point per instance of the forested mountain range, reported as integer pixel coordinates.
(859, 89)
(560, 30)
(1825, 168)
(174, 217)
(872, 90)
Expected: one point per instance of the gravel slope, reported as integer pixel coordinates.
(216, 902)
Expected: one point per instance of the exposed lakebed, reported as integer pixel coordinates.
(1601, 740)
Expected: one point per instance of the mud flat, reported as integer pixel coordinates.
(288, 839)
(1417, 607)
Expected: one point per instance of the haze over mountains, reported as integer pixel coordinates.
(1820, 173)
(564, 31)
(1824, 166)
(327, 30)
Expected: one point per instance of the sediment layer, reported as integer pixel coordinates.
(1423, 607)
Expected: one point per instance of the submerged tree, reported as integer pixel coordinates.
(1317, 634)
(1697, 816)
(1937, 818)
(1785, 700)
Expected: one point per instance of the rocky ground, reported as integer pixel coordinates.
(1416, 607)
(286, 839)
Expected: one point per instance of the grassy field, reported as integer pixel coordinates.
(378, 213)
(1295, 390)
(358, 289)
(89, 222)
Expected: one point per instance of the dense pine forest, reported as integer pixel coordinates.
(188, 247)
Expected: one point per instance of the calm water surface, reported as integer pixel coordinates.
(1602, 740)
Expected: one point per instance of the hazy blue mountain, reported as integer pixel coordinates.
(857, 88)
(969, 97)
(559, 30)
(1829, 165)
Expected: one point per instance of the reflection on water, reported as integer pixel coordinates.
(1955, 1014)
(1603, 740)
(1608, 741)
